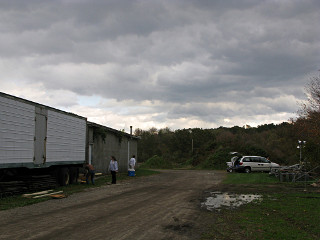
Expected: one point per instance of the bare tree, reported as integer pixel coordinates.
(153, 131)
(308, 123)
(138, 132)
(312, 105)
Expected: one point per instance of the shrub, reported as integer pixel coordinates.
(217, 160)
(156, 162)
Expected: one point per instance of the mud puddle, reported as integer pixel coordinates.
(217, 200)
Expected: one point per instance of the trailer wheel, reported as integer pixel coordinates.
(64, 176)
(1, 175)
(74, 174)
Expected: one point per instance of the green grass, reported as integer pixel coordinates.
(253, 178)
(19, 201)
(287, 214)
(283, 216)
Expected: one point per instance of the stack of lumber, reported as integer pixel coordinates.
(47, 193)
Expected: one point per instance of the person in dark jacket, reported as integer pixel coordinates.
(90, 173)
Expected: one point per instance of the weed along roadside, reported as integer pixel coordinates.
(257, 206)
(65, 191)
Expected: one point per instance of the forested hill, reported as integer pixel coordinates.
(210, 148)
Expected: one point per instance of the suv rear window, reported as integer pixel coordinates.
(264, 160)
(255, 159)
(252, 159)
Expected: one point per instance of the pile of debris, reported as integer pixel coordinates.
(26, 184)
(295, 173)
(316, 184)
(47, 193)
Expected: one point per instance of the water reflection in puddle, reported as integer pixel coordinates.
(219, 200)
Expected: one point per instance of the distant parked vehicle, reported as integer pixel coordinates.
(249, 164)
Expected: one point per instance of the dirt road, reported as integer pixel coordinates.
(162, 206)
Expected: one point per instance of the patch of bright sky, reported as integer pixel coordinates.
(89, 101)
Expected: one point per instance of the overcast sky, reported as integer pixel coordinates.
(166, 63)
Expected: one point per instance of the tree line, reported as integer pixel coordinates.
(210, 148)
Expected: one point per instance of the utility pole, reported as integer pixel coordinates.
(300, 146)
(190, 131)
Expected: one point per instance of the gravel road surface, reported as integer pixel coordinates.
(162, 206)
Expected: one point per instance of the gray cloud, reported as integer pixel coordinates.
(203, 60)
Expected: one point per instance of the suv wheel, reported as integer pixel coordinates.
(247, 170)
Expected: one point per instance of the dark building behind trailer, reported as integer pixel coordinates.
(104, 142)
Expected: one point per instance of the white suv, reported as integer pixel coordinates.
(251, 163)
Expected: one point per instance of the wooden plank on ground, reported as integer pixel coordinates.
(48, 194)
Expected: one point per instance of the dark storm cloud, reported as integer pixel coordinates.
(206, 60)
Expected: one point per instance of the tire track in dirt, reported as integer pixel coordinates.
(165, 206)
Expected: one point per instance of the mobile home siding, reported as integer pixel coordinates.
(36, 136)
(66, 138)
(17, 129)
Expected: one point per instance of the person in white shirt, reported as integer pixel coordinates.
(113, 168)
(132, 162)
